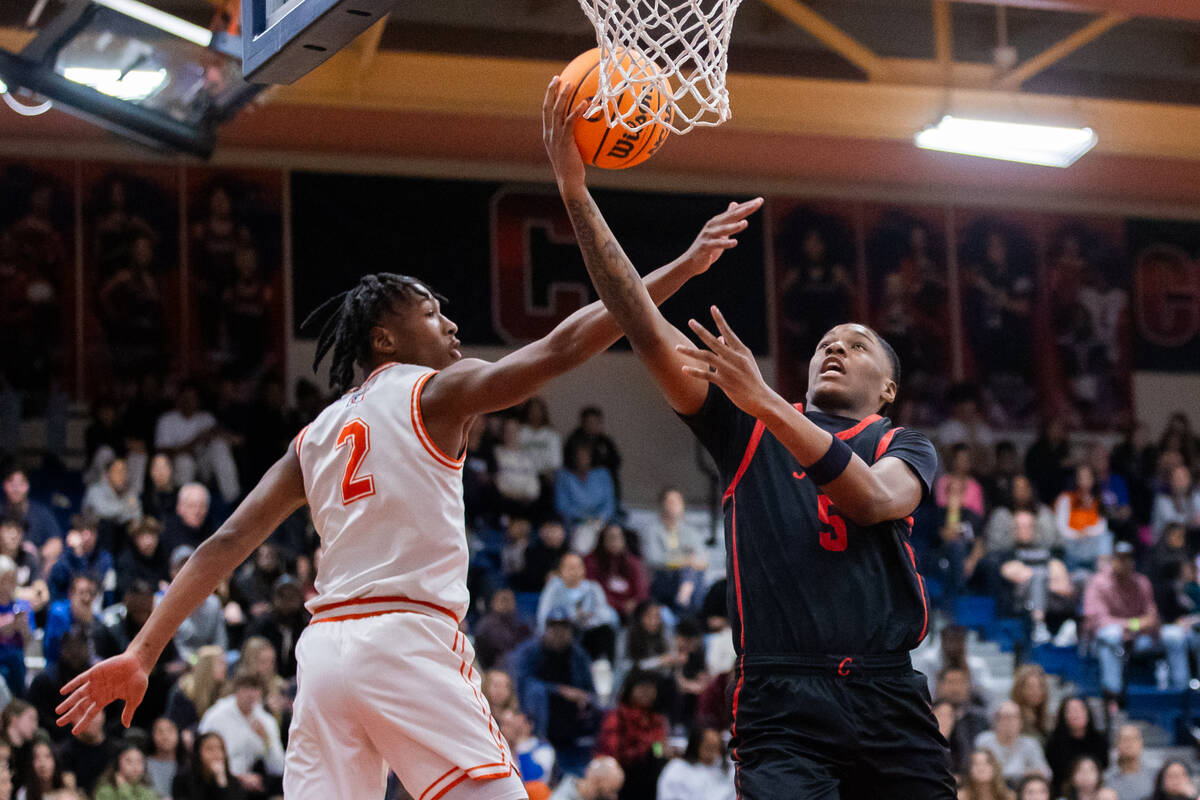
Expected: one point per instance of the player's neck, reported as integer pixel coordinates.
(856, 414)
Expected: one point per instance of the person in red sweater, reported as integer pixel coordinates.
(635, 734)
(619, 571)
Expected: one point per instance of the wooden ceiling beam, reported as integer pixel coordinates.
(830, 35)
(1061, 49)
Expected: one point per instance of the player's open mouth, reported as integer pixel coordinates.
(456, 348)
(832, 366)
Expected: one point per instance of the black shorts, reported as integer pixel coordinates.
(837, 728)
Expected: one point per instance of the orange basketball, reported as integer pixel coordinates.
(616, 147)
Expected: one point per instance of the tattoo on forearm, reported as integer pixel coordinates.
(616, 280)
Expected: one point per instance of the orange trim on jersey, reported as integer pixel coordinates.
(443, 777)
(423, 434)
(465, 671)
(300, 439)
(364, 615)
(360, 601)
(885, 441)
(857, 429)
(751, 446)
(450, 786)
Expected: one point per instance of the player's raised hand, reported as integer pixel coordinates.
(718, 234)
(558, 132)
(119, 678)
(729, 364)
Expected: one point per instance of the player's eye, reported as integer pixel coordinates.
(860, 346)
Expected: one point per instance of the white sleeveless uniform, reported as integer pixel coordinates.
(385, 678)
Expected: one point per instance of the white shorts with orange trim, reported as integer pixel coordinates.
(391, 690)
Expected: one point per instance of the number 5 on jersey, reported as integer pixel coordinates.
(354, 486)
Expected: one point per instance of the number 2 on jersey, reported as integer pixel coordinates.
(355, 486)
(833, 527)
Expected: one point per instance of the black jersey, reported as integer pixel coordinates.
(803, 579)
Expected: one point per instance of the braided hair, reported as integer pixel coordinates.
(348, 319)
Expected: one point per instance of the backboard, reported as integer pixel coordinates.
(282, 40)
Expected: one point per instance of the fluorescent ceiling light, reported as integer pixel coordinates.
(160, 19)
(1046, 145)
(137, 84)
(3, 87)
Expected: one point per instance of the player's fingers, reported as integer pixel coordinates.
(79, 680)
(727, 228)
(576, 112)
(696, 353)
(726, 332)
(561, 102)
(127, 714)
(548, 103)
(93, 711)
(701, 373)
(71, 701)
(709, 340)
(72, 712)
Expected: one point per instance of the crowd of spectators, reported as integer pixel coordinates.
(601, 634)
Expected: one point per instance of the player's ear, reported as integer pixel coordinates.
(383, 342)
(888, 395)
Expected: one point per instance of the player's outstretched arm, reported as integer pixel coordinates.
(124, 677)
(616, 281)
(867, 494)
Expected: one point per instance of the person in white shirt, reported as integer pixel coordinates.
(516, 472)
(539, 440)
(1018, 755)
(193, 440)
(702, 773)
(113, 498)
(250, 732)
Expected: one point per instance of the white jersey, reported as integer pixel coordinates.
(386, 502)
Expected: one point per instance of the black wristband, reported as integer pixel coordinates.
(829, 466)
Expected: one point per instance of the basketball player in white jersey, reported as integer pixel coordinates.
(385, 677)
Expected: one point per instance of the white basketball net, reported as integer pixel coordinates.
(688, 42)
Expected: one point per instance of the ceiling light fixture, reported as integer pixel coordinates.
(136, 84)
(1045, 145)
(160, 19)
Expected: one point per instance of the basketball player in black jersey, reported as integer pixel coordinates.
(824, 594)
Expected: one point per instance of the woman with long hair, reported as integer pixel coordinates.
(1034, 787)
(208, 776)
(196, 691)
(1083, 780)
(258, 657)
(1174, 782)
(635, 734)
(46, 775)
(983, 780)
(702, 773)
(618, 571)
(1075, 734)
(1031, 693)
(1081, 522)
(167, 756)
(126, 779)
(499, 691)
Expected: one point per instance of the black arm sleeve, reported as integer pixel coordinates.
(723, 429)
(914, 449)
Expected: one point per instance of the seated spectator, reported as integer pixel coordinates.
(40, 526)
(701, 773)
(1083, 529)
(1083, 780)
(1035, 787)
(196, 444)
(635, 734)
(535, 757)
(1113, 493)
(283, 623)
(45, 688)
(1018, 755)
(88, 753)
(674, 551)
(259, 659)
(79, 609)
(585, 604)
(712, 710)
(15, 631)
(104, 436)
(160, 495)
(31, 587)
(602, 780)
(1048, 459)
(960, 545)
(127, 620)
(166, 757)
(512, 553)
(585, 498)
(540, 440)
(604, 450)
(967, 425)
(1040, 584)
(251, 735)
(191, 523)
(1000, 528)
(18, 727)
(146, 559)
(1130, 776)
(480, 498)
(499, 630)
(1075, 734)
(197, 690)
(959, 478)
(251, 585)
(1165, 559)
(46, 776)
(997, 487)
(690, 675)
(516, 472)
(127, 779)
(619, 572)
(541, 557)
(114, 503)
(647, 644)
(208, 776)
(83, 556)
(1121, 615)
(983, 780)
(205, 625)
(1178, 503)
(970, 713)
(1031, 693)
(554, 683)
(1174, 782)
(498, 691)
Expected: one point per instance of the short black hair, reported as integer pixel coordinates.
(348, 319)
